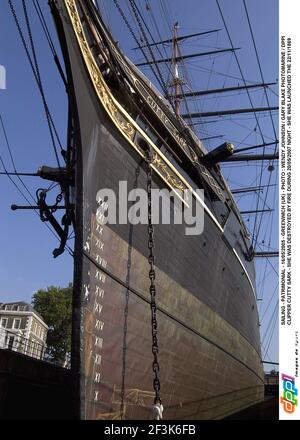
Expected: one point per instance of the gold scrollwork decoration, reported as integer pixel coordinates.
(108, 102)
(96, 76)
(170, 178)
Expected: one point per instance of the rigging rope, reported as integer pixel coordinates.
(156, 45)
(269, 303)
(271, 334)
(137, 42)
(36, 75)
(42, 20)
(52, 129)
(260, 69)
(40, 84)
(12, 181)
(12, 160)
(270, 328)
(69, 250)
(255, 235)
(270, 322)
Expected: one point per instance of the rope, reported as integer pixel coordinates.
(137, 41)
(49, 40)
(35, 73)
(12, 161)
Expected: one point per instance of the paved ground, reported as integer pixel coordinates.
(267, 410)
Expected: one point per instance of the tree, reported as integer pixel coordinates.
(55, 306)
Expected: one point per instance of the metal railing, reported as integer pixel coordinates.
(14, 341)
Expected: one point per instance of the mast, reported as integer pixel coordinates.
(176, 80)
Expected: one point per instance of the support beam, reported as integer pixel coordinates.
(251, 157)
(250, 189)
(257, 146)
(246, 190)
(33, 207)
(255, 211)
(20, 174)
(228, 112)
(214, 121)
(212, 137)
(183, 37)
(270, 254)
(222, 90)
(184, 57)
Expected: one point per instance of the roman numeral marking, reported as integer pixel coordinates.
(100, 276)
(98, 342)
(98, 359)
(99, 229)
(97, 377)
(86, 291)
(99, 244)
(101, 260)
(99, 325)
(98, 307)
(99, 292)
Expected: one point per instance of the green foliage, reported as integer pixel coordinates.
(55, 306)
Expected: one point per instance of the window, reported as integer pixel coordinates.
(4, 322)
(34, 327)
(32, 346)
(15, 307)
(17, 323)
(9, 342)
(36, 349)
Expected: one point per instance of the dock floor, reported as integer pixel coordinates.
(266, 410)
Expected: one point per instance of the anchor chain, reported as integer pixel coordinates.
(158, 408)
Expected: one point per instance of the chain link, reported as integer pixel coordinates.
(58, 200)
(155, 364)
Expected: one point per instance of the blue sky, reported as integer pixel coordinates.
(26, 262)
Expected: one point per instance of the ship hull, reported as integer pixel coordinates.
(208, 331)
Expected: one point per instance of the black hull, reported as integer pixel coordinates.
(209, 345)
